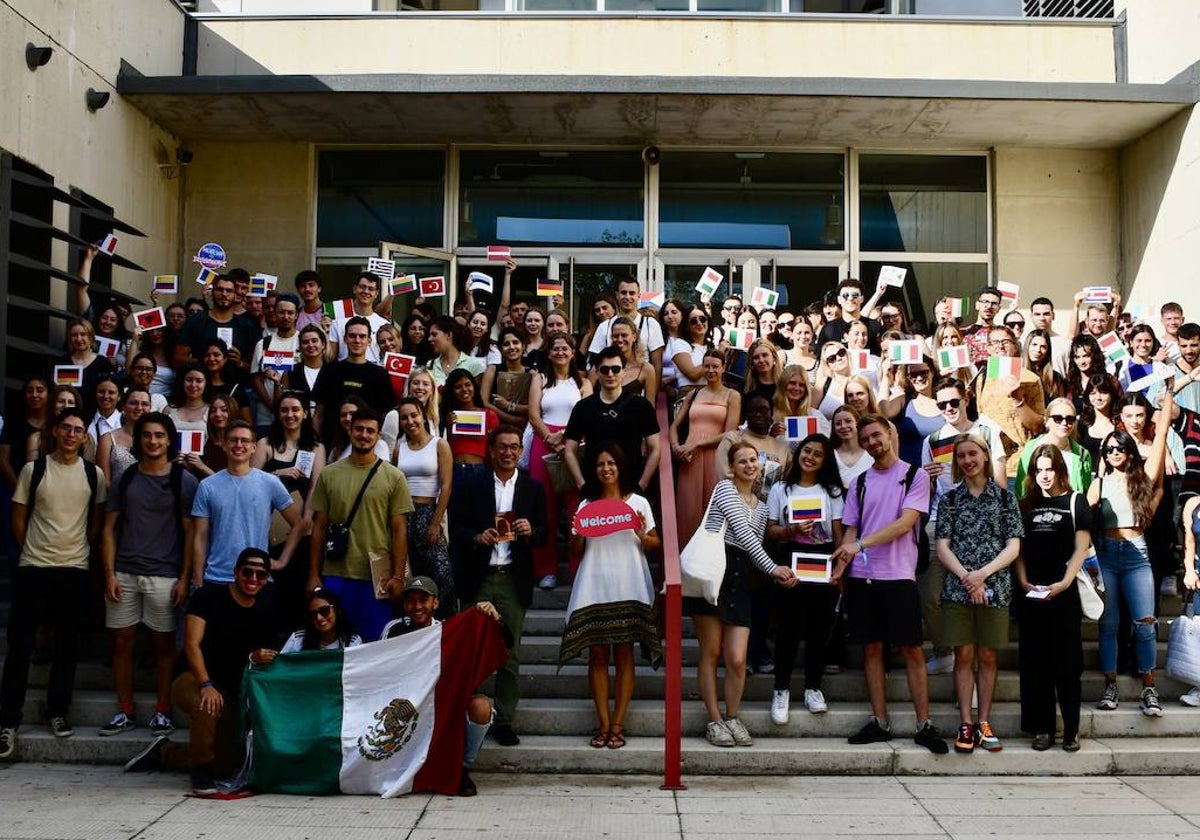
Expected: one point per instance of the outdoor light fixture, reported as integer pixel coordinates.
(36, 57)
(96, 99)
(832, 232)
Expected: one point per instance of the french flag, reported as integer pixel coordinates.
(798, 428)
(191, 442)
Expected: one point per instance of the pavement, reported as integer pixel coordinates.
(102, 803)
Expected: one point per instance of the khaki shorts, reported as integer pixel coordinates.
(145, 599)
(973, 624)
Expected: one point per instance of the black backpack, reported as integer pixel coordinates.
(860, 492)
(39, 472)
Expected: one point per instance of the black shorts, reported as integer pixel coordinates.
(733, 601)
(886, 611)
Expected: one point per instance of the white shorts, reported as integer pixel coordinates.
(145, 599)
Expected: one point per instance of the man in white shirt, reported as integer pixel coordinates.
(1041, 313)
(649, 330)
(280, 349)
(366, 289)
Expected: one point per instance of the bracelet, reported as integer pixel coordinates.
(861, 547)
(206, 684)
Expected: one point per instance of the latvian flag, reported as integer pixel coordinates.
(499, 253)
(953, 358)
(339, 310)
(385, 718)
(906, 352)
(472, 423)
(1002, 367)
(806, 509)
(107, 347)
(798, 428)
(740, 339)
(549, 288)
(191, 442)
(943, 450)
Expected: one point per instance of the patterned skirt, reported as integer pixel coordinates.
(612, 623)
(430, 560)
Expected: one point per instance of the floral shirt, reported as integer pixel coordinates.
(978, 529)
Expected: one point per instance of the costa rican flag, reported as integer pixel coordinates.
(432, 286)
(943, 451)
(404, 284)
(339, 310)
(763, 298)
(740, 339)
(805, 508)
(191, 443)
(499, 253)
(166, 283)
(107, 347)
(549, 288)
(953, 358)
(905, 352)
(398, 364)
(1097, 294)
(386, 269)
(469, 423)
(811, 568)
(1003, 367)
(1009, 292)
(108, 244)
(798, 428)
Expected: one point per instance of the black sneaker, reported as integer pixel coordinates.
(1150, 705)
(59, 727)
(466, 787)
(872, 733)
(502, 734)
(202, 781)
(148, 759)
(927, 736)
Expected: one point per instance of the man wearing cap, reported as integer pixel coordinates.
(420, 601)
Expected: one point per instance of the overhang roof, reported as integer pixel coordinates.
(620, 110)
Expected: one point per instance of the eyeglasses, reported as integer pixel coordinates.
(239, 441)
(67, 429)
(607, 370)
(850, 295)
(841, 354)
(143, 368)
(985, 302)
(700, 320)
(1113, 450)
(889, 315)
(508, 447)
(920, 373)
(323, 611)
(253, 574)
(952, 403)
(1004, 342)
(1063, 419)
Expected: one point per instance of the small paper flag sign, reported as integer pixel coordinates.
(225, 334)
(1097, 294)
(166, 283)
(709, 281)
(740, 339)
(1003, 367)
(68, 375)
(404, 284)
(108, 244)
(892, 275)
(953, 358)
(469, 423)
(959, 307)
(860, 361)
(205, 276)
(270, 280)
(211, 256)
(304, 462)
(798, 428)
(549, 288)
(906, 352)
(398, 364)
(432, 286)
(651, 300)
(258, 286)
(499, 253)
(1009, 292)
(339, 310)
(805, 509)
(1112, 347)
(386, 269)
(943, 450)
(280, 360)
(150, 319)
(107, 347)
(811, 568)
(478, 281)
(763, 298)
(191, 443)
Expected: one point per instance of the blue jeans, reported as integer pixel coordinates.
(1125, 566)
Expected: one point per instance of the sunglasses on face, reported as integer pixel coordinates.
(731, 308)
(922, 373)
(324, 611)
(606, 370)
(1114, 450)
(945, 404)
(841, 354)
(1015, 325)
(250, 573)
(850, 295)
(1063, 419)
(698, 320)
(783, 325)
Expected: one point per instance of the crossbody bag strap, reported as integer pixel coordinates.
(362, 491)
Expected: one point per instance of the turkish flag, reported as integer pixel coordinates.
(432, 286)
(398, 364)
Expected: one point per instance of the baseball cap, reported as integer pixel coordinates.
(421, 583)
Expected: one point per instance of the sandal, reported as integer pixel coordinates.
(616, 740)
(599, 739)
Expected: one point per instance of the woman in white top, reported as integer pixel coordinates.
(794, 398)
(832, 376)
(303, 377)
(188, 409)
(852, 459)
(327, 627)
(670, 318)
(802, 352)
(428, 467)
(552, 395)
(686, 351)
(479, 325)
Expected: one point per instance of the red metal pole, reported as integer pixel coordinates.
(673, 604)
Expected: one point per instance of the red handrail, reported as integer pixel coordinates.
(673, 605)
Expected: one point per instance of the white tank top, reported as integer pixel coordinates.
(420, 468)
(558, 401)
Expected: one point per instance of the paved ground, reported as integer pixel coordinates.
(65, 801)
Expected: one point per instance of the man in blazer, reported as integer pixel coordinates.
(497, 518)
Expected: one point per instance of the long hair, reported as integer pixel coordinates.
(431, 408)
(276, 436)
(1051, 382)
(862, 381)
(853, 412)
(591, 484)
(685, 327)
(341, 438)
(1074, 375)
(342, 627)
(1105, 384)
(421, 351)
(781, 403)
(828, 476)
(1139, 485)
(178, 395)
(484, 345)
(572, 367)
(1062, 480)
(448, 400)
(637, 353)
(751, 374)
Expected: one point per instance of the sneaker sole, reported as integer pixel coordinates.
(63, 735)
(1152, 712)
(131, 763)
(994, 749)
(964, 750)
(105, 733)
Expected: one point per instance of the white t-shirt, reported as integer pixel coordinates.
(984, 427)
(338, 328)
(694, 351)
(778, 507)
(649, 329)
(295, 643)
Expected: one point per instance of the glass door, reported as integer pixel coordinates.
(423, 262)
(585, 280)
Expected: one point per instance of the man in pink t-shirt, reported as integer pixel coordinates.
(878, 557)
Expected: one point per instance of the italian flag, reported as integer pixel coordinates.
(384, 718)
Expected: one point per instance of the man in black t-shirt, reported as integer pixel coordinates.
(611, 415)
(204, 327)
(850, 296)
(353, 375)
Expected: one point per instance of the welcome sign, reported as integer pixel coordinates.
(605, 516)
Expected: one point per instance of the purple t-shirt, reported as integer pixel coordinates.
(885, 499)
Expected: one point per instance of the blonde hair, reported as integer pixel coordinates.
(637, 352)
(862, 381)
(431, 410)
(1064, 402)
(751, 376)
(781, 403)
(955, 472)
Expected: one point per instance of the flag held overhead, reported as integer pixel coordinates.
(432, 286)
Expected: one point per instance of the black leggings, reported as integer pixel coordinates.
(808, 611)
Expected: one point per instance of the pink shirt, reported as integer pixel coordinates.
(885, 499)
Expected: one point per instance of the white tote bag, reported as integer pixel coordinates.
(1091, 597)
(1183, 648)
(702, 561)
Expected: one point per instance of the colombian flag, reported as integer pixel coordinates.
(805, 509)
(469, 423)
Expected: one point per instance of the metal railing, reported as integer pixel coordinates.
(673, 609)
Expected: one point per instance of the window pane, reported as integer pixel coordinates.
(551, 198)
(645, 5)
(751, 200)
(737, 5)
(926, 283)
(367, 197)
(923, 203)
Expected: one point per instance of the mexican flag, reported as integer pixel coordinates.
(384, 718)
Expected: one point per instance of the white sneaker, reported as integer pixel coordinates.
(781, 702)
(1192, 698)
(940, 665)
(548, 582)
(741, 736)
(814, 701)
(718, 734)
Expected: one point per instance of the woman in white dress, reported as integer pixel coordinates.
(612, 600)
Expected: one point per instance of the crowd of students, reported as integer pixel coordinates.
(260, 437)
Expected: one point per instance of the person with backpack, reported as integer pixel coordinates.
(978, 535)
(878, 558)
(54, 520)
(146, 548)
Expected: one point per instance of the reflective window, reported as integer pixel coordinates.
(927, 203)
(927, 282)
(551, 198)
(751, 200)
(364, 197)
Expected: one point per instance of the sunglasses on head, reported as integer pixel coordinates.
(919, 373)
(253, 573)
(609, 369)
(324, 611)
(1065, 419)
(951, 403)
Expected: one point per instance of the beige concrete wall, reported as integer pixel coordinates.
(782, 47)
(1057, 222)
(255, 199)
(110, 154)
(1163, 37)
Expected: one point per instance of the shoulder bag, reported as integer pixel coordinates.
(337, 534)
(1091, 597)
(702, 561)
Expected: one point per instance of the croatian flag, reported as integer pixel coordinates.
(806, 509)
(1002, 367)
(953, 358)
(499, 253)
(432, 286)
(763, 298)
(404, 284)
(740, 339)
(385, 718)
(472, 423)
(1009, 292)
(943, 450)
(906, 352)
(339, 310)
(280, 360)
(811, 568)
(549, 288)
(798, 428)
(107, 347)
(191, 443)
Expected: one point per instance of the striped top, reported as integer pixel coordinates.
(746, 526)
